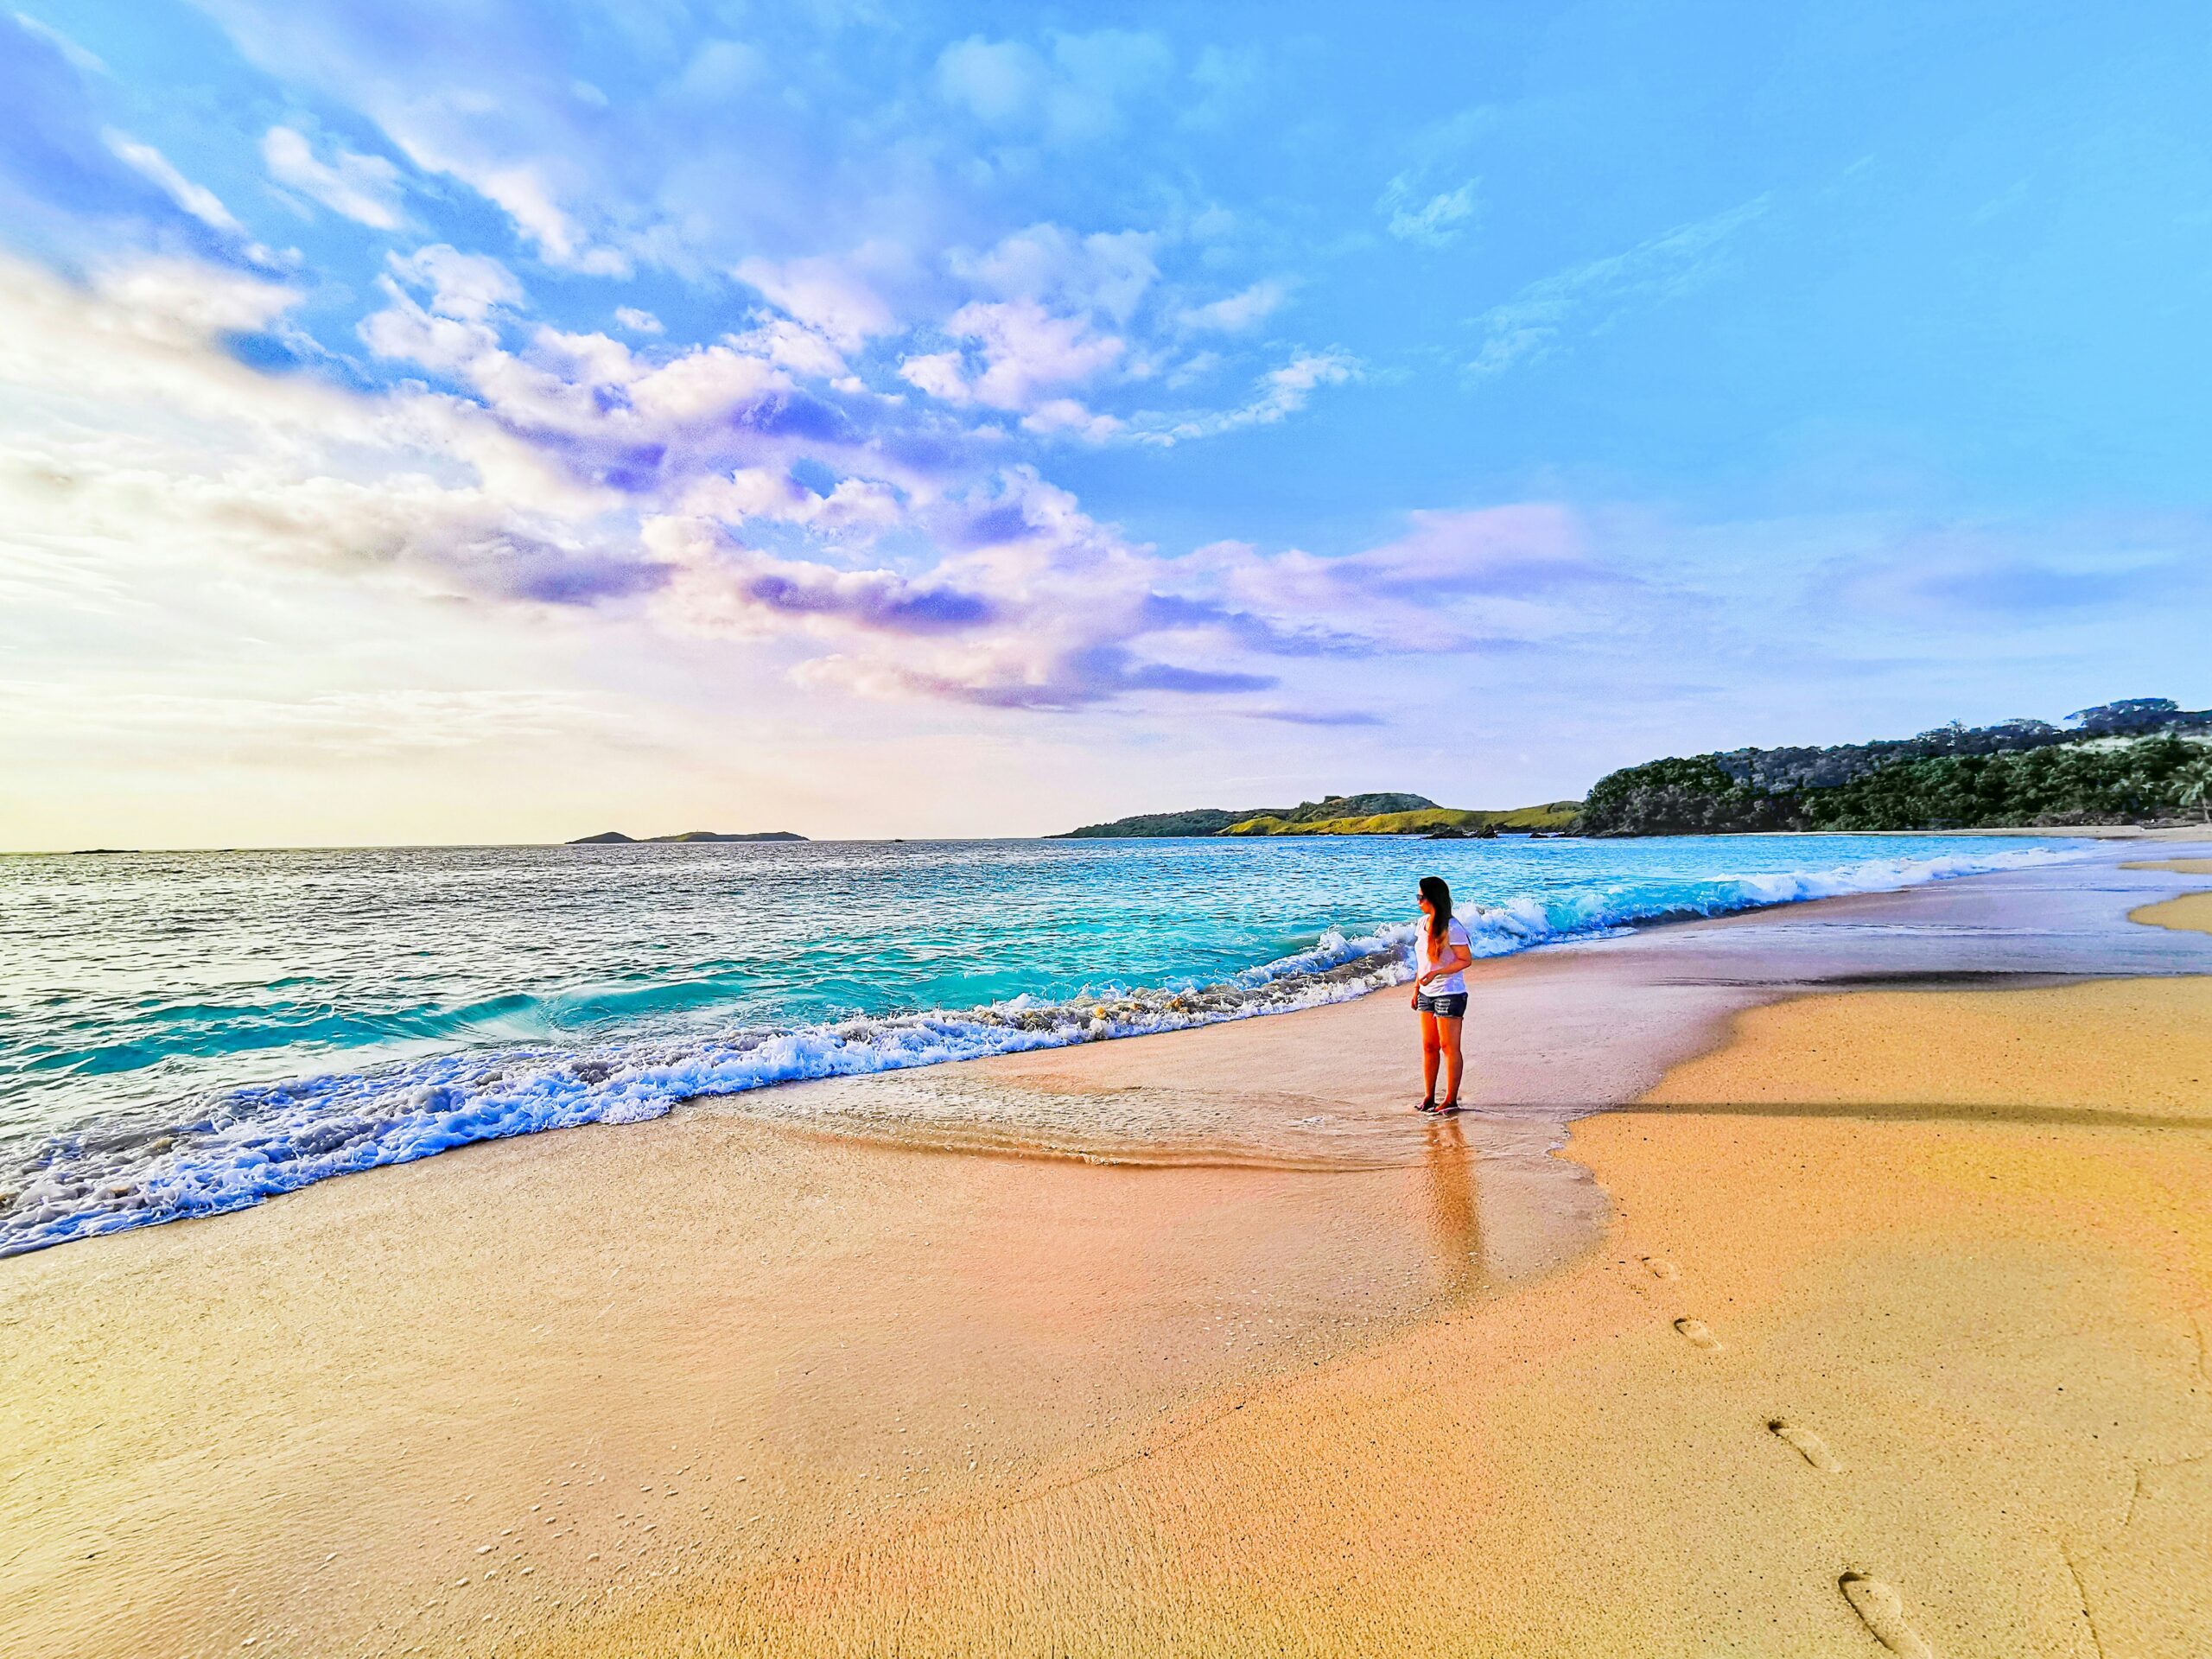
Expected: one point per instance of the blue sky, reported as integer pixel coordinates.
(489, 420)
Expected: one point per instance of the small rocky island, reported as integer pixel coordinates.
(616, 838)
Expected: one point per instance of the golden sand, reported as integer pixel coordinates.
(464, 1398)
(1958, 1246)
(2192, 911)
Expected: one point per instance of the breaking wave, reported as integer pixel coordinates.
(222, 1150)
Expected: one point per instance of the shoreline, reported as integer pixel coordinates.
(221, 1147)
(825, 1356)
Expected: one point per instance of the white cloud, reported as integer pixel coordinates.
(941, 374)
(196, 199)
(587, 360)
(854, 506)
(1192, 369)
(362, 188)
(720, 70)
(1288, 387)
(1106, 272)
(1453, 581)
(1099, 74)
(467, 285)
(1438, 220)
(589, 387)
(1064, 416)
(407, 331)
(796, 347)
(994, 80)
(523, 190)
(78, 57)
(125, 392)
(1278, 394)
(823, 293)
(1035, 604)
(181, 303)
(1027, 349)
(1079, 90)
(702, 385)
(1039, 616)
(691, 166)
(1238, 311)
(637, 322)
(1663, 267)
(1025, 354)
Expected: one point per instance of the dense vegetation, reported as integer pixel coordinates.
(1214, 820)
(2117, 763)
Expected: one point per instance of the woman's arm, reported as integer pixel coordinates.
(1456, 956)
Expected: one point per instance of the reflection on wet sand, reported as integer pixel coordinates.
(1454, 1217)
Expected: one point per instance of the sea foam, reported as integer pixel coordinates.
(222, 1150)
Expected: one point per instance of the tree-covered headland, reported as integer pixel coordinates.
(2117, 763)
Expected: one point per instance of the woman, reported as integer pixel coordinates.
(1441, 949)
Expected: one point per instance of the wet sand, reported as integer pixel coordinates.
(1907, 1325)
(2191, 910)
(1925, 1177)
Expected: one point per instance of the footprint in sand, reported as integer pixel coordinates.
(1698, 1336)
(1662, 1268)
(1810, 1445)
(1884, 1612)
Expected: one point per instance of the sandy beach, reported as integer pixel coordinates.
(1824, 1279)
(749, 747)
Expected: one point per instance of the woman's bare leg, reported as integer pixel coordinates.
(1455, 1063)
(1428, 1053)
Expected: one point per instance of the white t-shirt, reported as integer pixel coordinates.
(1449, 984)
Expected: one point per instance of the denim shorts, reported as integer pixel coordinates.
(1450, 1005)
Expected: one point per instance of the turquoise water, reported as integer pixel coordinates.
(183, 1033)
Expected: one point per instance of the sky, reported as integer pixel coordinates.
(474, 421)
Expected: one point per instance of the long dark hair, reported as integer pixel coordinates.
(1433, 889)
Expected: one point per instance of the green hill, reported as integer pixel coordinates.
(1378, 814)
(1422, 820)
(1214, 820)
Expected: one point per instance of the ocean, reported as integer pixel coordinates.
(184, 1033)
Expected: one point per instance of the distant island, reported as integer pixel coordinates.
(1377, 814)
(2142, 757)
(616, 838)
